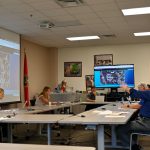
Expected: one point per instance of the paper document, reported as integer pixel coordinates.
(3, 118)
(109, 112)
(105, 112)
(113, 116)
(118, 113)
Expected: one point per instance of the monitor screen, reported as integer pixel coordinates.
(113, 76)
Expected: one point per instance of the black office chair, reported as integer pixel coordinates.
(1, 134)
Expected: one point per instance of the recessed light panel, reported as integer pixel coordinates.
(136, 11)
(142, 34)
(82, 38)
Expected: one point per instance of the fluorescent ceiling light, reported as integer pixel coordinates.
(136, 11)
(142, 34)
(82, 38)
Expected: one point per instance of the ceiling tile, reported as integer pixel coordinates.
(84, 16)
(78, 10)
(93, 2)
(54, 12)
(113, 19)
(131, 4)
(62, 18)
(105, 7)
(115, 13)
(91, 21)
(44, 4)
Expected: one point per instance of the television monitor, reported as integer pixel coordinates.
(113, 76)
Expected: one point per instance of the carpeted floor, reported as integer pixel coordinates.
(72, 135)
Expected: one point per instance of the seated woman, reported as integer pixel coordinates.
(44, 97)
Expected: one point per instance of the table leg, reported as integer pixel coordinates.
(10, 136)
(49, 133)
(100, 137)
(39, 126)
(113, 136)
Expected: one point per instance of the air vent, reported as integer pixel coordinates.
(108, 36)
(69, 3)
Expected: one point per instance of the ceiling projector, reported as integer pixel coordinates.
(46, 25)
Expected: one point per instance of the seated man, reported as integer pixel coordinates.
(142, 87)
(92, 95)
(91, 98)
(142, 123)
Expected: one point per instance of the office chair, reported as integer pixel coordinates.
(137, 146)
(1, 134)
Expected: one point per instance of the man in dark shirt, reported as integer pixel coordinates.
(140, 124)
(91, 98)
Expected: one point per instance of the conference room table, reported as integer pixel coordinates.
(32, 119)
(95, 103)
(48, 108)
(111, 114)
(39, 109)
(7, 146)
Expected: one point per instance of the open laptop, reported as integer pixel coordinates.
(100, 98)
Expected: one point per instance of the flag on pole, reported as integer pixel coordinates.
(26, 84)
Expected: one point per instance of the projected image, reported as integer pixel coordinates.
(10, 66)
(10, 76)
(112, 76)
(4, 70)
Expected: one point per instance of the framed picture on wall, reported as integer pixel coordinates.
(105, 59)
(72, 69)
(89, 82)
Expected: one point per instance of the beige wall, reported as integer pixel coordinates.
(137, 54)
(42, 66)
